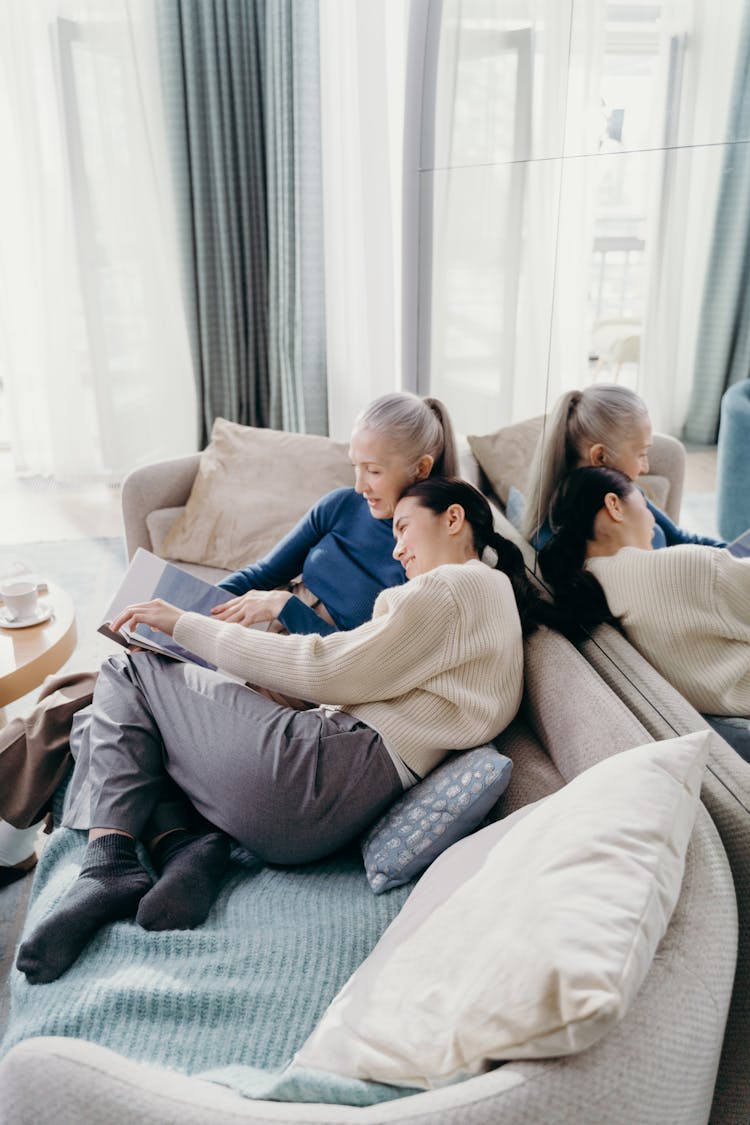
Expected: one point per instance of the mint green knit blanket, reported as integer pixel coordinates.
(231, 1001)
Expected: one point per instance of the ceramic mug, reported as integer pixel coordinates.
(20, 598)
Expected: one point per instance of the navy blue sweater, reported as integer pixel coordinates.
(344, 555)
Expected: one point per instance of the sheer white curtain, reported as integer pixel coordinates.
(684, 197)
(362, 92)
(580, 174)
(94, 353)
(509, 278)
(553, 293)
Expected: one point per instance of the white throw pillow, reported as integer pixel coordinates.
(529, 939)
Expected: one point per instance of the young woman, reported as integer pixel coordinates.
(605, 425)
(342, 549)
(438, 667)
(686, 610)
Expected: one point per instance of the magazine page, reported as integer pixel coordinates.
(149, 577)
(741, 545)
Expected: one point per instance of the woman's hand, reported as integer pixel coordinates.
(158, 614)
(252, 607)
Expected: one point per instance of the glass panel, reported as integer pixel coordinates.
(635, 235)
(493, 231)
(531, 79)
(651, 75)
(500, 82)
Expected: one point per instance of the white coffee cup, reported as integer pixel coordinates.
(20, 598)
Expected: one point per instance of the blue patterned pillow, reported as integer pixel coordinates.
(446, 806)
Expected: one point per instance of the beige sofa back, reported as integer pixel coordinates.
(153, 496)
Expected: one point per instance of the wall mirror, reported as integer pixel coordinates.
(573, 155)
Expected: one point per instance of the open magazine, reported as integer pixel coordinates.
(741, 545)
(149, 577)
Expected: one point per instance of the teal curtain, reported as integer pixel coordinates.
(242, 106)
(723, 350)
(297, 343)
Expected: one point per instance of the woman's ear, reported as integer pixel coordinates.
(598, 455)
(456, 519)
(613, 507)
(424, 466)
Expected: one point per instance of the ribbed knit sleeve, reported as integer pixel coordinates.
(687, 610)
(400, 648)
(439, 666)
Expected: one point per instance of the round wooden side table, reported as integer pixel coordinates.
(28, 655)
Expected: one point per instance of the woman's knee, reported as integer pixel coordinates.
(115, 668)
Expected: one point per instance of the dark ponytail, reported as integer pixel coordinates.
(578, 595)
(438, 493)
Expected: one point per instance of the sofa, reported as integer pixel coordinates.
(659, 1064)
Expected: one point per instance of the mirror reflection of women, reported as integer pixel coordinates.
(687, 610)
(438, 667)
(604, 425)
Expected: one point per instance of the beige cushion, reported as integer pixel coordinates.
(529, 939)
(505, 456)
(159, 523)
(251, 487)
(656, 489)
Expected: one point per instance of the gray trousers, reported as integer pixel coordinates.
(290, 786)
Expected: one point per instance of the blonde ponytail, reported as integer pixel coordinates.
(414, 426)
(549, 465)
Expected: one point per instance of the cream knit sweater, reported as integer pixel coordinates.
(687, 610)
(438, 668)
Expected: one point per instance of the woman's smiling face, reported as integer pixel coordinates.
(381, 474)
(423, 539)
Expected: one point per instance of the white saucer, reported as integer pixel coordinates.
(43, 612)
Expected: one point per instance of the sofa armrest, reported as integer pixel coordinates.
(667, 458)
(726, 794)
(165, 484)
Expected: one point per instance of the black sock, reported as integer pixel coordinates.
(191, 868)
(110, 886)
